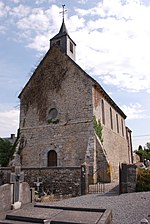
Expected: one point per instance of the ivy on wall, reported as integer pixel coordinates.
(47, 79)
(98, 128)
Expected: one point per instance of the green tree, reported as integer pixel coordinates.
(6, 152)
(143, 153)
(140, 148)
(147, 147)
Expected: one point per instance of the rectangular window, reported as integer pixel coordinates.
(71, 47)
(117, 123)
(111, 119)
(122, 127)
(103, 112)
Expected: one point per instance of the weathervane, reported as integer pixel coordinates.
(63, 11)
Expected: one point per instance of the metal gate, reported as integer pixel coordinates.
(96, 188)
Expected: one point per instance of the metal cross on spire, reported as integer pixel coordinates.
(63, 11)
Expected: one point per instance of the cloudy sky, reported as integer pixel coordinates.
(113, 46)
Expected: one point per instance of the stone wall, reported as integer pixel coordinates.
(66, 180)
(4, 175)
(128, 178)
(114, 136)
(58, 83)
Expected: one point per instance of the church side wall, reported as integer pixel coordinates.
(114, 136)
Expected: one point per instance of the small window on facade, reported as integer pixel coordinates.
(117, 123)
(122, 127)
(71, 47)
(52, 158)
(103, 113)
(111, 119)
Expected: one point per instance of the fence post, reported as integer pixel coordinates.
(84, 179)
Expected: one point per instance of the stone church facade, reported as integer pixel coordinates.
(57, 108)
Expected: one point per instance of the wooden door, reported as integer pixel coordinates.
(52, 158)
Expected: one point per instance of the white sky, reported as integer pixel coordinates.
(113, 46)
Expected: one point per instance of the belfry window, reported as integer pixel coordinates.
(58, 42)
(52, 158)
(71, 47)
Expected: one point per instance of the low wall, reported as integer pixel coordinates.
(55, 180)
(4, 175)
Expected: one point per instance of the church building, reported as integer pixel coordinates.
(67, 118)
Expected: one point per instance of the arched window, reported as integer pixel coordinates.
(52, 158)
(111, 119)
(103, 112)
(117, 123)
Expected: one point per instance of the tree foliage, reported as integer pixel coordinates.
(144, 153)
(98, 128)
(6, 152)
(147, 147)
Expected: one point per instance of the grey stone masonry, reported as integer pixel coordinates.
(57, 107)
(128, 177)
(56, 180)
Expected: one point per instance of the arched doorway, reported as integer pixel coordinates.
(52, 158)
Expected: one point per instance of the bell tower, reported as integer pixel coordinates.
(63, 40)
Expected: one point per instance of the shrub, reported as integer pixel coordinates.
(98, 128)
(143, 180)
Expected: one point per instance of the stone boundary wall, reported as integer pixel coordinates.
(128, 178)
(55, 180)
(4, 175)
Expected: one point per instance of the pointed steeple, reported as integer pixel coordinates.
(63, 40)
(63, 31)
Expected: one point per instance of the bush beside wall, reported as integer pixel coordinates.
(143, 180)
